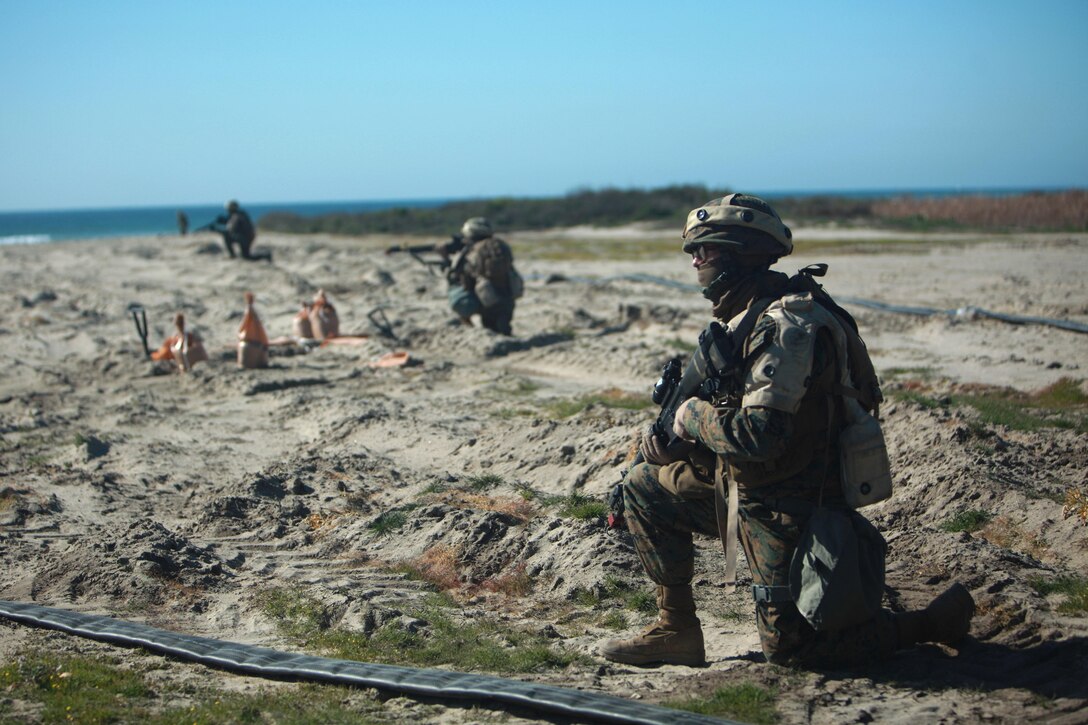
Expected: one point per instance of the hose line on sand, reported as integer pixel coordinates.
(263, 662)
(963, 313)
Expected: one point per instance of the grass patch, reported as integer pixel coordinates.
(608, 398)
(97, 690)
(478, 645)
(521, 387)
(918, 373)
(483, 482)
(615, 589)
(747, 702)
(614, 620)
(436, 487)
(968, 521)
(80, 689)
(1075, 589)
(511, 413)
(1003, 532)
(391, 521)
(1060, 405)
(582, 507)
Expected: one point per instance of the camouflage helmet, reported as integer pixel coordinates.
(476, 228)
(231, 205)
(745, 224)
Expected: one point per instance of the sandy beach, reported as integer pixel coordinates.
(189, 501)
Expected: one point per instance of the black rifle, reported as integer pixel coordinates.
(418, 250)
(711, 373)
(215, 225)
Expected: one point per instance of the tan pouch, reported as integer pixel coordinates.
(866, 470)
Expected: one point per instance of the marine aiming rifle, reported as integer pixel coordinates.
(417, 252)
(710, 373)
(215, 225)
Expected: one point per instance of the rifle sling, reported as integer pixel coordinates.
(727, 515)
(726, 505)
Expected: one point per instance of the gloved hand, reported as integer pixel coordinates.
(652, 449)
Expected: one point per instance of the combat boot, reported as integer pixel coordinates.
(676, 638)
(947, 619)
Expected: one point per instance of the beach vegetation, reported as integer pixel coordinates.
(513, 583)
(667, 208)
(432, 635)
(968, 521)
(745, 702)
(1060, 405)
(614, 589)
(483, 481)
(581, 507)
(1075, 503)
(607, 398)
(1073, 588)
(1006, 533)
(391, 521)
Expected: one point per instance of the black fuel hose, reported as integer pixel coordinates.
(264, 662)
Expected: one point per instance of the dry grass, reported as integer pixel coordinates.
(515, 506)
(438, 566)
(515, 583)
(1066, 210)
(1003, 532)
(1076, 504)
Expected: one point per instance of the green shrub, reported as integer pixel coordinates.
(483, 482)
(968, 521)
(480, 644)
(389, 522)
(582, 507)
(747, 702)
(1075, 589)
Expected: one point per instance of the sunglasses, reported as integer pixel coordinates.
(704, 252)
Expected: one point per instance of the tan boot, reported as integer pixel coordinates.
(947, 619)
(675, 638)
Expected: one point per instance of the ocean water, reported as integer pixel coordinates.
(51, 226)
(31, 227)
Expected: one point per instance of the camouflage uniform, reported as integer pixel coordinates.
(492, 259)
(774, 431)
(240, 231)
(784, 464)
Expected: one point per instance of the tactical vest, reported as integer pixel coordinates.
(837, 447)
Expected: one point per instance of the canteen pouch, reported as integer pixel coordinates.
(486, 293)
(865, 468)
(837, 571)
(464, 302)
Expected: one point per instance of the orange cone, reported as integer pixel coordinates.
(252, 339)
(323, 317)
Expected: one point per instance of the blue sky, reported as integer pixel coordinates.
(144, 103)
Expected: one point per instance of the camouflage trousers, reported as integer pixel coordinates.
(662, 524)
(498, 316)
